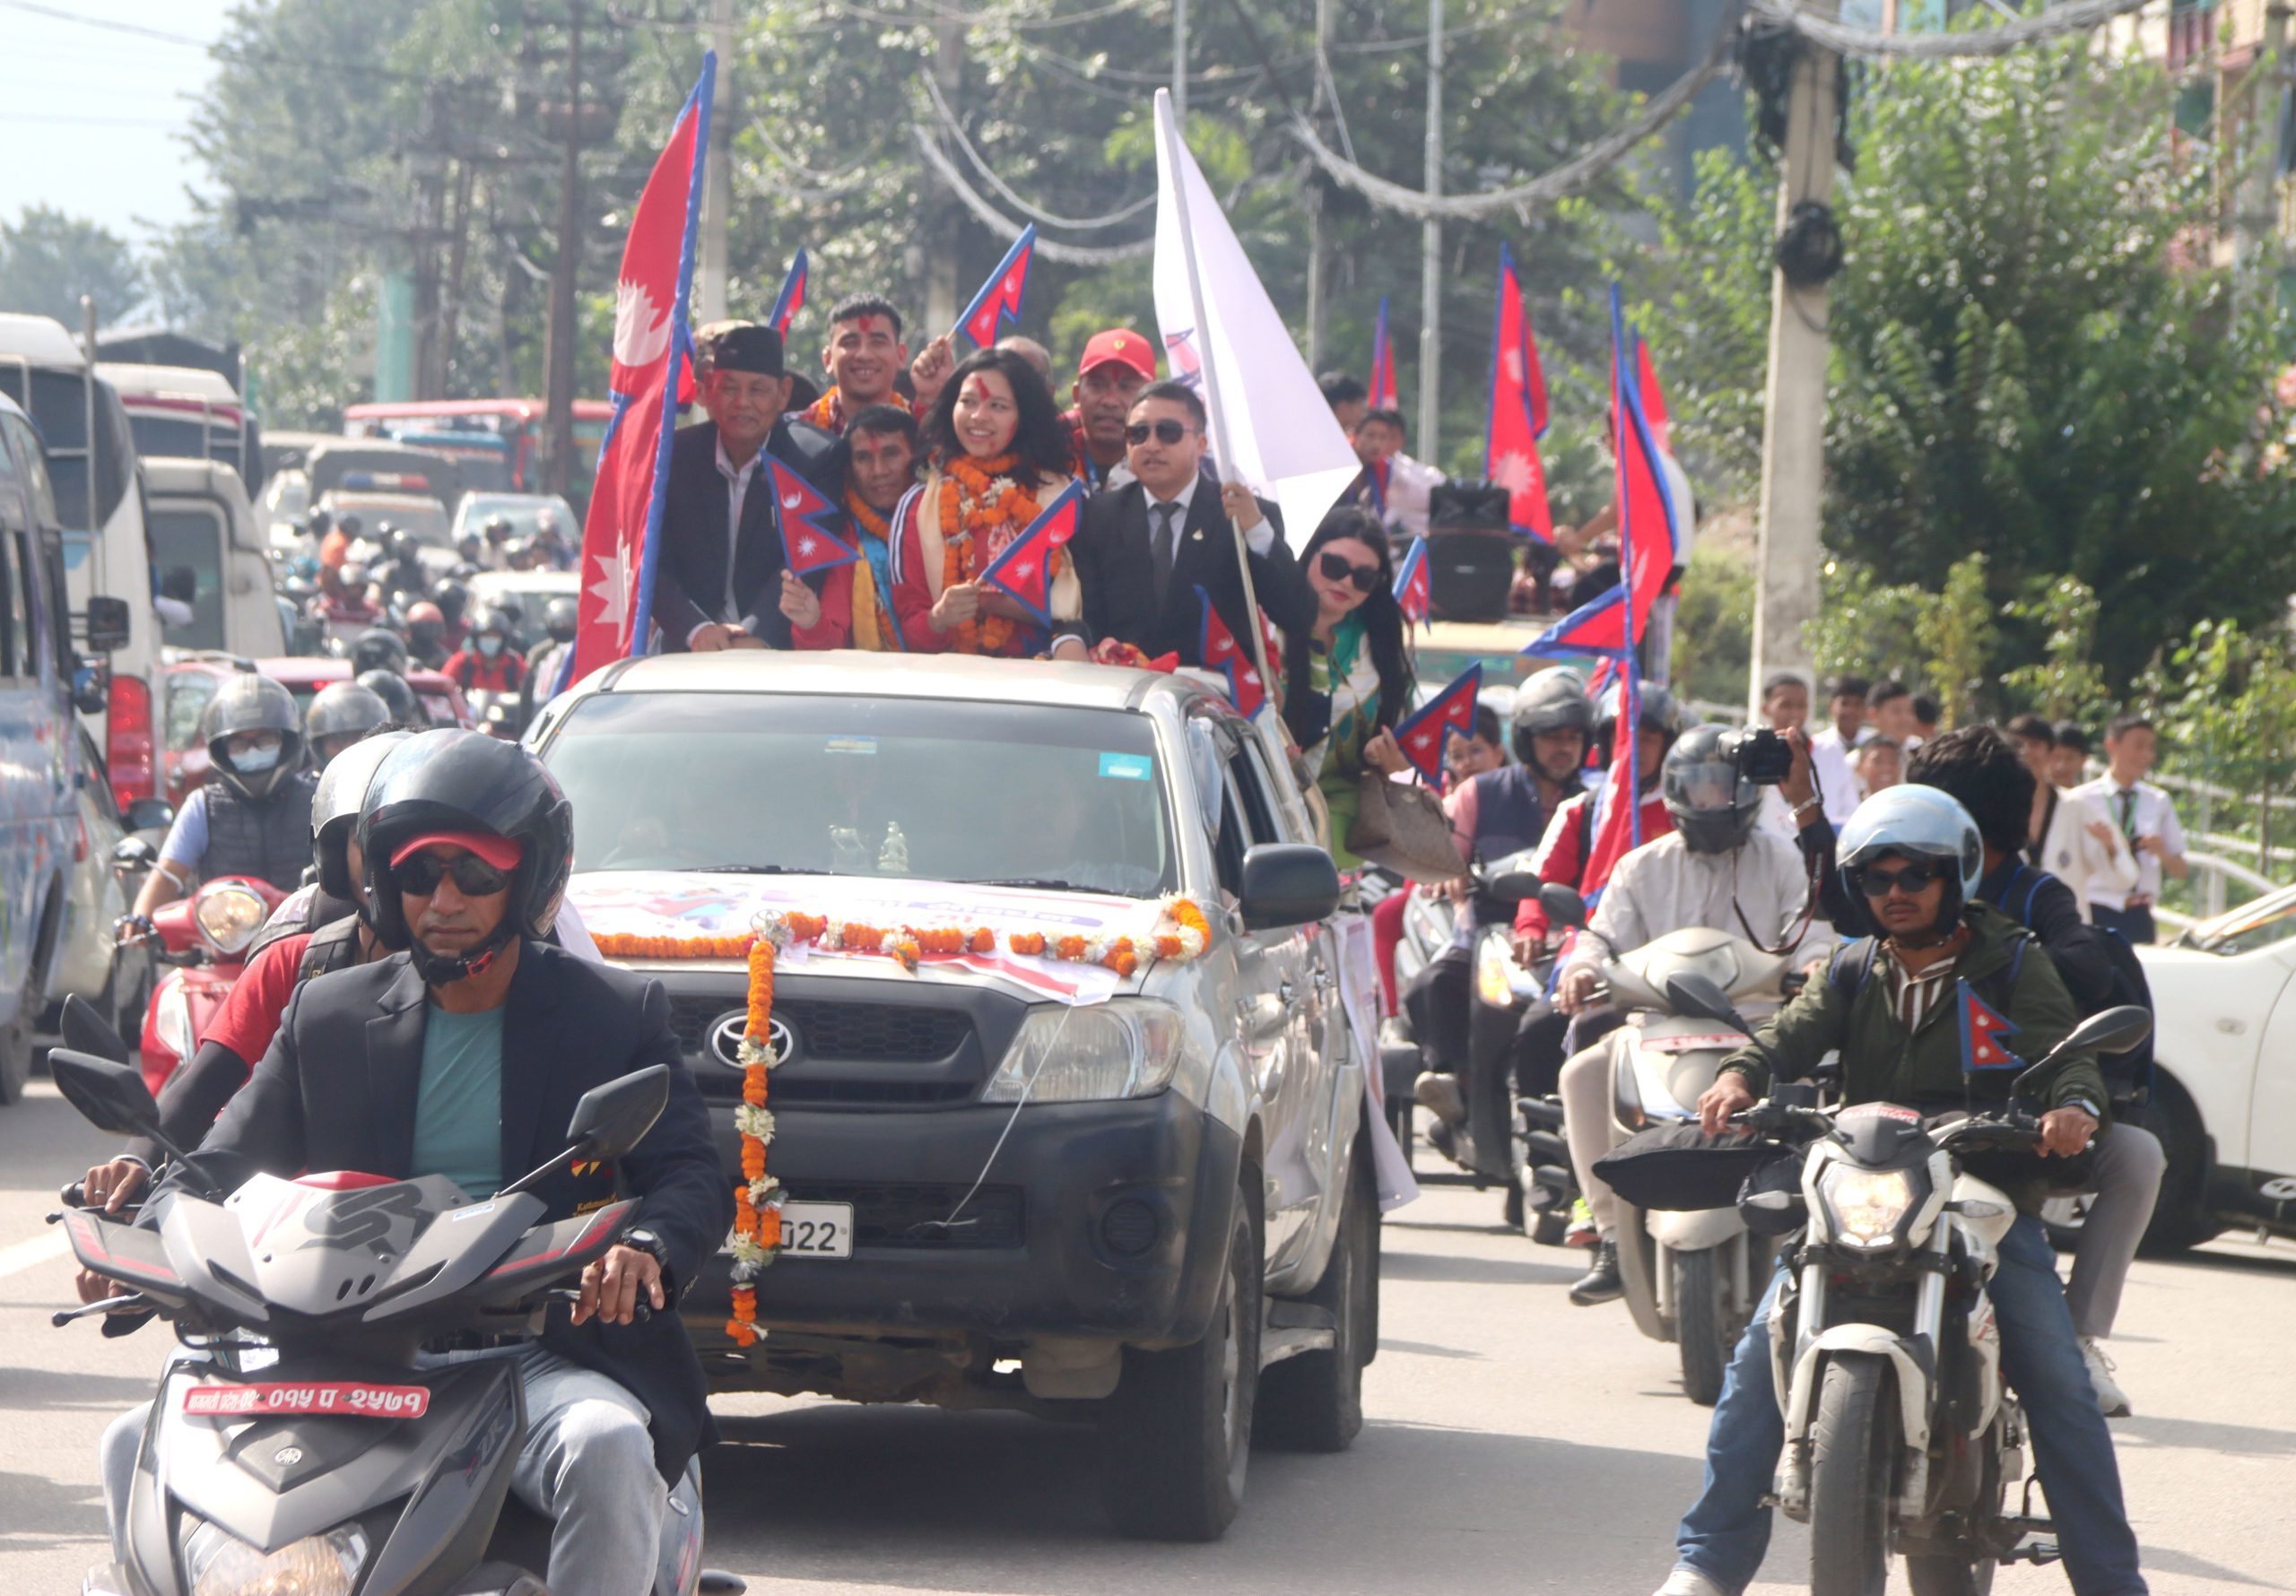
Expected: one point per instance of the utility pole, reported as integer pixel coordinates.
(717, 179)
(1794, 406)
(1179, 61)
(939, 263)
(558, 349)
(2256, 198)
(1431, 251)
(1318, 312)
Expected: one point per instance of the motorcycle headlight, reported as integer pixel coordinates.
(1865, 1205)
(229, 916)
(1494, 973)
(1127, 1047)
(220, 1563)
(173, 1022)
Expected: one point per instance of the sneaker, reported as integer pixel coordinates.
(2112, 1401)
(1582, 1232)
(1689, 1581)
(1439, 1094)
(1600, 1283)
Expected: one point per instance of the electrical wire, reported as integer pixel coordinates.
(1085, 224)
(1005, 227)
(2075, 16)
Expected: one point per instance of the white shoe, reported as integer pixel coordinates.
(1689, 1581)
(2112, 1401)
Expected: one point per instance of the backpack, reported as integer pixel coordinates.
(2128, 1076)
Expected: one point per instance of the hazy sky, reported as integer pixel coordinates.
(91, 117)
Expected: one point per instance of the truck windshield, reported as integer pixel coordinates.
(1061, 799)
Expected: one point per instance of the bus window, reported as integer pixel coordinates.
(187, 553)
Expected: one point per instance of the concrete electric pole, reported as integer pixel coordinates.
(717, 177)
(558, 346)
(1431, 252)
(1794, 407)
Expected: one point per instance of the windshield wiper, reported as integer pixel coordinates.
(1042, 883)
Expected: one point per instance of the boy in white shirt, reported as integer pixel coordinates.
(1830, 749)
(2070, 836)
(2146, 821)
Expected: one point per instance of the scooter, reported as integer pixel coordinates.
(203, 938)
(304, 1442)
(1900, 1433)
(1693, 1278)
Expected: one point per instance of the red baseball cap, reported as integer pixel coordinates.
(504, 853)
(1125, 347)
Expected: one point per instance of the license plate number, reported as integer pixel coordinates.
(1694, 1044)
(817, 1229)
(330, 1398)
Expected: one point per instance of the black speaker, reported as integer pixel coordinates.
(1469, 573)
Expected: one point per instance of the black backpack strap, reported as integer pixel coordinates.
(333, 945)
(1845, 981)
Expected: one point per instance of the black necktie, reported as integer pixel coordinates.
(1164, 545)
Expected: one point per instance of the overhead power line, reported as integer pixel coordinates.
(988, 175)
(1005, 227)
(2077, 16)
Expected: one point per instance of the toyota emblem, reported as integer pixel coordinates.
(725, 1038)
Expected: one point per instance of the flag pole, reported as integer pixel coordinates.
(1168, 126)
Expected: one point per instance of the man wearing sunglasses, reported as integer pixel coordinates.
(463, 1055)
(1144, 549)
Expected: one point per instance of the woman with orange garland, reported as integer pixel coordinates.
(998, 456)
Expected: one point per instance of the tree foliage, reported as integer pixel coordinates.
(49, 259)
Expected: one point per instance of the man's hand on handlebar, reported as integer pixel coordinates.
(1727, 1096)
(130, 929)
(2067, 1131)
(609, 1287)
(1577, 990)
(113, 1187)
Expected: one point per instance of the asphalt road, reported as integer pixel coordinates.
(1513, 1443)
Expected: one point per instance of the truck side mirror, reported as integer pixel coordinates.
(108, 624)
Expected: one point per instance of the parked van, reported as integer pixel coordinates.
(210, 553)
(187, 412)
(91, 463)
(40, 749)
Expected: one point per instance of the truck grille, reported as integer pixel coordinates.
(886, 1033)
(888, 1214)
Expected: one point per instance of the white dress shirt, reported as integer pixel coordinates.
(1409, 483)
(2143, 810)
(1830, 757)
(738, 479)
(1665, 886)
(2070, 853)
(1259, 540)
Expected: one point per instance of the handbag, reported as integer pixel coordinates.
(1402, 827)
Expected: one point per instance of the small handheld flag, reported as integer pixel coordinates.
(1383, 363)
(1518, 411)
(999, 299)
(1217, 647)
(1376, 475)
(1415, 591)
(792, 298)
(1426, 733)
(1025, 570)
(800, 515)
(1618, 804)
(1984, 1031)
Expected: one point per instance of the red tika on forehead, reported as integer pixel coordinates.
(867, 324)
(977, 388)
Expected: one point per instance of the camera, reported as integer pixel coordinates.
(1762, 756)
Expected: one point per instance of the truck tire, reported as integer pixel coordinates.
(2180, 1217)
(1177, 1434)
(1853, 1461)
(16, 1042)
(1314, 1402)
(1703, 1330)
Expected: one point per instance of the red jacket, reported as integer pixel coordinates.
(1563, 851)
(473, 673)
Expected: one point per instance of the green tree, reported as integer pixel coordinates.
(1958, 637)
(2063, 683)
(1714, 626)
(49, 258)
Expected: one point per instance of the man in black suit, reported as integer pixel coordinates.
(464, 1055)
(720, 583)
(1144, 549)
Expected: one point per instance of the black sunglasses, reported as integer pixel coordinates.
(1334, 566)
(420, 876)
(1876, 884)
(1167, 431)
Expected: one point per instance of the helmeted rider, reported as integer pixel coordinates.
(560, 618)
(1890, 1008)
(489, 661)
(1569, 835)
(341, 714)
(253, 816)
(1716, 869)
(379, 649)
(453, 600)
(1497, 813)
(426, 634)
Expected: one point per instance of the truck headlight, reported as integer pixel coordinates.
(220, 1564)
(1865, 1205)
(229, 916)
(1127, 1047)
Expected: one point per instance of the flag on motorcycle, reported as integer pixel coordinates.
(1609, 624)
(1984, 1030)
(1654, 403)
(801, 517)
(1383, 363)
(999, 299)
(1025, 568)
(792, 298)
(1517, 413)
(1217, 647)
(620, 537)
(1415, 591)
(1426, 731)
(1617, 828)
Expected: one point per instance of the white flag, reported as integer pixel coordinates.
(1271, 428)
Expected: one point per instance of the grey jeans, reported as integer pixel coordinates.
(1584, 1088)
(587, 1466)
(2128, 1167)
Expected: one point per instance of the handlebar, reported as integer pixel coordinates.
(126, 1302)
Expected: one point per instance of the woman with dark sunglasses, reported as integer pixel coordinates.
(1347, 678)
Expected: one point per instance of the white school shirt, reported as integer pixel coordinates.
(2140, 811)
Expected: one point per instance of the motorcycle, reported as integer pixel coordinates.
(302, 1441)
(1693, 1278)
(1900, 1433)
(497, 712)
(203, 940)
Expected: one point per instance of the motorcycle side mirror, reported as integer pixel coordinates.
(1517, 886)
(110, 1095)
(1694, 997)
(149, 814)
(1563, 905)
(134, 853)
(2109, 1030)
(86, 1031)
(610, 1120)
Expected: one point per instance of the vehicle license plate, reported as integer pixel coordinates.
(332, 1397)
(817, 1229)
(1694, 1044)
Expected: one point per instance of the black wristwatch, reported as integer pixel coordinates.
(646, 1242)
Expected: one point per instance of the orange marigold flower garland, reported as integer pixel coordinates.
(979, 500)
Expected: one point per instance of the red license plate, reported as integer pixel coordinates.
(336, 1398)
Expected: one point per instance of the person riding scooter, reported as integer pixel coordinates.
(560, 618)
(342, 714)
(489, 661)
(1892, 1009)
(478, 1037)
(379, 649)
(1714, 869)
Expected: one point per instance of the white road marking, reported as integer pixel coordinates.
(32, 1254)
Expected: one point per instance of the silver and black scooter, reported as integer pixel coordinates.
(1900, 1433)
(301, 1441)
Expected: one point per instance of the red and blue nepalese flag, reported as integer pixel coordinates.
(792, 298)
(1000, 298)
(1026, 567)
(1618, 804)
(804, 517)
(621, 535)
(1654, 403)
(1517, 414)
(1984, 1033)
(1383, 363)
(1415, 589)
(1219, 650)
(1426, 731)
